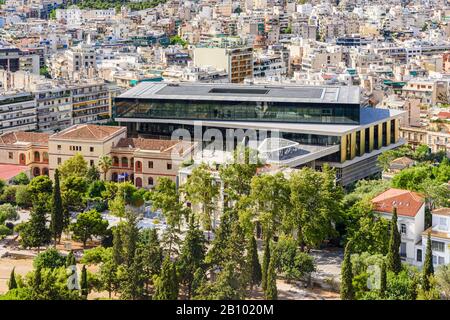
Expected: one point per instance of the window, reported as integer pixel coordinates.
(91, 149)
(10, 155)
(59, 147)
(92, 163)
(150, 164)
(59, 160)
(441, 260)
(419, 255)
(437, 246)
(169, 166)
(150, 181)
(403, 249)
(442, 223)
(403, 228)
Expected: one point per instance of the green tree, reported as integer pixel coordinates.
(265, 263)
(130, 237)
(41, 187)
(237, 175)
(383, 280)
(226, 287)
(443, 280)
(105, 163)
(191, 256)
(92, 174)
(34, 233)
(428, 269)
(70, 259)
(315, 206)
(89, 224)
(57, 212)
(292, 262)
(8, 212)
(401, 286)
(201, 189)
(253, 266)
(165, 197)
(73, 191)
(23, 197)
(270, 196)
(166, 284)
(271, 292)
(84, 283)
(12, 284)
(108, 276)
(49, 259)
(75, 166)
(347, 291)
(118, 250)
(367, 231)
(152, 255)
(394, 262)
(131, 277)
(21, 179)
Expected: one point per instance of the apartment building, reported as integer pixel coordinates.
(429, 92)
(91, 102)
(316, 58)
(54, 107)
(237, 62)
(17, 111)
(81, 59)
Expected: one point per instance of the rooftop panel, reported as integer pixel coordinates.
(233, 92)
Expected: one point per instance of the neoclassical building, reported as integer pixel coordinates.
(139, 160)
(26, 149)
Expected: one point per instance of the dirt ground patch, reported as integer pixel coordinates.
(22, 267)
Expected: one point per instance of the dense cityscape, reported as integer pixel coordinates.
(225, 150)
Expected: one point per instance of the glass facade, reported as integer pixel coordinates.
(237, 111)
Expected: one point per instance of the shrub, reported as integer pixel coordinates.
(50, 258)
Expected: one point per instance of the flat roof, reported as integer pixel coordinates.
(241, 92)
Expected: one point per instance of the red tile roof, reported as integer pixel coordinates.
(8, 171)
(444, 115)
(408, 203)
(22, 136)
(87, 132)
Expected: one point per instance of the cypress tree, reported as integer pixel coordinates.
(166, 286)
(271, 292)
(347, 291)
(191, 256)
(70, 259)
(383, 280)
(12, 284)
(118, 246)
(198, 282)
(57, 212)
(394, 262)
(265, 264)
(428, 269)
(253, 265)
(84, 283)
(37, 280)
